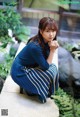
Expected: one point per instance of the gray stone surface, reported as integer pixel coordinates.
(19, 105)
(69, 71)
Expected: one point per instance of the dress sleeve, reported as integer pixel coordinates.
(37, 55)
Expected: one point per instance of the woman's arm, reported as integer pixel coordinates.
(53, 46)
(38, 57)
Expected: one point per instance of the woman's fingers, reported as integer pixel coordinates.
(53, 44)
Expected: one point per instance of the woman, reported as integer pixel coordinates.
(32, 69)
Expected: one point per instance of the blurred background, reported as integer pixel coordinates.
(19, 21)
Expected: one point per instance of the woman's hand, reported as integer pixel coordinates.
(53, 45)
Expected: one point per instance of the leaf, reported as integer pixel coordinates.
(22, 37)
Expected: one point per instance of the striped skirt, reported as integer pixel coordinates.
(39, 82)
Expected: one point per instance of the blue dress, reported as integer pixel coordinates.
(31, 71)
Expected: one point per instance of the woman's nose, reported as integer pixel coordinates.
(51, 33)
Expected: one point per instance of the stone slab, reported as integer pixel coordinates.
(10, 86)
(20, 105)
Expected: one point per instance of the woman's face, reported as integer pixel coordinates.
(48, 35)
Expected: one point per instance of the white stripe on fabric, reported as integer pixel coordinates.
(37, 84)
(40, 78)
(43, 77)
(45, 74)
(33, 84)
(51, 71)
(50, 74)
(39, 81)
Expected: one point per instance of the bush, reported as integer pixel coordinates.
(11, 19)
(68, 106)
(5, 66)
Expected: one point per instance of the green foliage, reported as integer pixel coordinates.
(40, 4)
(5, 66)
(11, 19)
(13, 51)
(68, 47)
(68, 106)
(5, 40)
(77, 107)
(22, 33)
(73, 48)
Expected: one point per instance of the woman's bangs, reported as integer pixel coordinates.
(51, 26)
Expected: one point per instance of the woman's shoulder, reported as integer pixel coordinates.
(33, 44)
(34, 47)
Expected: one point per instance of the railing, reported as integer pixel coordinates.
(67, 22)
(38, 13)
(70, 19)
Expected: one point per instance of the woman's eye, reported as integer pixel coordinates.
(52, 30)
(47, 30)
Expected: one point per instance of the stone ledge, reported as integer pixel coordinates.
(20, 105)
(10, 86)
